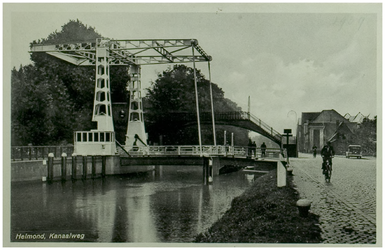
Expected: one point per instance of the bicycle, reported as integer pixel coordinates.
(327, 171)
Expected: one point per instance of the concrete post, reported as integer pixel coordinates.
(205, 168)
(73, 173)
(210, 171)
(216, 165)
(50, 166)
(303, 206)
(63, 166)
(281, 174)
(158, 171)
(84, 167)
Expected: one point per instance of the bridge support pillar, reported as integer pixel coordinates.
(208, 176)
(84, 167)
(216, 165)
(93, 167)
(158, 171)
(104, 160)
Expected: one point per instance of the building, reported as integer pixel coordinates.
(316, 128)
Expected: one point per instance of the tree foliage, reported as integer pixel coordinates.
(174, 91)
(52, 98)
(367, 136)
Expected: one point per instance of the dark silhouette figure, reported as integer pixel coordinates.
(327, 153)
(263, 150)
(314, 151)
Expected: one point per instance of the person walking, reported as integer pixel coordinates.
(263, 150)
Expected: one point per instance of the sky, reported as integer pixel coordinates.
(288, 58)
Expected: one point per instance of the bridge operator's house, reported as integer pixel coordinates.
(316, 128)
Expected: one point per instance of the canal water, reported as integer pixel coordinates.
(170, 205)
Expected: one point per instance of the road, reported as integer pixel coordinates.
(347, 205)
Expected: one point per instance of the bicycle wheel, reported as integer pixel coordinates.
(329, 174)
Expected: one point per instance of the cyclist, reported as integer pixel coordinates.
(327, 153)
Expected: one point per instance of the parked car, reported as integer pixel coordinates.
(354, 151)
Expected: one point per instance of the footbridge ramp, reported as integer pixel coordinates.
(235, 118)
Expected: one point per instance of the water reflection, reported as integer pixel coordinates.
(169, 204)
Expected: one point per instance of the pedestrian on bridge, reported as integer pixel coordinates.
(263, 149)
(254, 149)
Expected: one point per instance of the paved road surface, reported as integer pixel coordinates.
(346, 205)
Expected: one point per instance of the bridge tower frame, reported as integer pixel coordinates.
(133, 53)
(135, 128)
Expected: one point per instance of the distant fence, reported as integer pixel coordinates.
(39, 152)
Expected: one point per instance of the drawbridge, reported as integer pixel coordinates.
(103, 53)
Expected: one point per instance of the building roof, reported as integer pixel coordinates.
(342, 128)
(324, 116)
(327, 116)
(309, 116)
(357, 118)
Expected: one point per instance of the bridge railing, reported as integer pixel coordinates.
(263, 125)
(220, 116)
(194, 150)
(39, 152)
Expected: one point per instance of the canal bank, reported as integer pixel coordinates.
(264, 213)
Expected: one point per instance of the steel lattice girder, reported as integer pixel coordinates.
(127, 52)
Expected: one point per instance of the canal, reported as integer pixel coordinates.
(170, 205)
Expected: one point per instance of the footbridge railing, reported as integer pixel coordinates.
(263, 125)
(237, 118)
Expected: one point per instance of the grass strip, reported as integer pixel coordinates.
(264, 213)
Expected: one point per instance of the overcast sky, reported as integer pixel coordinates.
(289, 58)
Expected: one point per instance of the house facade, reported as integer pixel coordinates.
(316, 128)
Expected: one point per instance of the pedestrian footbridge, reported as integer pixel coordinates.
(235, 118)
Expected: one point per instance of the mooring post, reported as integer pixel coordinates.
(50, 167)
(207, 170)
(63, 166)
(103, 166)
(210, 171)
(93, 166)
(84, 167)
(73, 173)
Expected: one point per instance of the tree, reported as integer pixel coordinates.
(367, 135)
(174, 91)
(52, 98)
